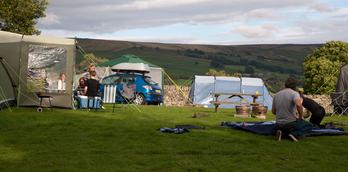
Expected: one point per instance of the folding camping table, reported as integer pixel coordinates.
(217, 103)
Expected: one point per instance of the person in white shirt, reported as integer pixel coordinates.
(61, 82)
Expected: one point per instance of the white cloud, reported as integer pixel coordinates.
(111, 16)
(50, 19)
(265, 30)
(262, 14)
(322, 7)
(249, 20)
(341, 12)
(149, 5)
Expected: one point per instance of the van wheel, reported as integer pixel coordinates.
(139, 99)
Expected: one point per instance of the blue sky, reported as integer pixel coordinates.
(199, 21)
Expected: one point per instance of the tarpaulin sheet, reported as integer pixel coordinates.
(268, 128)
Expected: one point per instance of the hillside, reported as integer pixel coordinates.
(273, 63)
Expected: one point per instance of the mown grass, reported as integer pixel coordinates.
(129, 140)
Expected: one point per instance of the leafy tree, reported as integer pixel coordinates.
(20, 16)
(321, 68)
(249, 69)
(213, 72)
(216, 64)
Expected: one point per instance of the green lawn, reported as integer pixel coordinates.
(128, 140)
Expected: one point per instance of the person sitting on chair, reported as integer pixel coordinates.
(317, 111)
(61, 82)
(81, 89)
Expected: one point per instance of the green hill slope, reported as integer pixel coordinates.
(273, 63)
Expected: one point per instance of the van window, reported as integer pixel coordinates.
(150, 81)
(128, 80)
(110, 80)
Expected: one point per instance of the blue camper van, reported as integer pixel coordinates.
(134, 87)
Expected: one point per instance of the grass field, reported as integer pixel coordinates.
(128, 140)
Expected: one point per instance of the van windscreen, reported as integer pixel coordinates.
(150, 81)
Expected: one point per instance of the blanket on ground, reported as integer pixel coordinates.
(268, 128)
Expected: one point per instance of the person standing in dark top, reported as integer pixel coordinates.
(92, 85)
(318, 112)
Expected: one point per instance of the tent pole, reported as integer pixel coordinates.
(20, 72)
(162, 86)
(241, 89)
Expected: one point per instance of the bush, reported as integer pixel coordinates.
(321, 68)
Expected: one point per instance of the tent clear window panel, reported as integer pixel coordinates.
(46, 69)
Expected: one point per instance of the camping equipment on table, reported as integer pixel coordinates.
(268, 128)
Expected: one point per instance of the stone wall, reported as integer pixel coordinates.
(173, 97)
(323, 100)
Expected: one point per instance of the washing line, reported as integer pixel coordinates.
(83, 52)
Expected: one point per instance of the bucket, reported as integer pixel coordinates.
(242, 110)
(259, 110)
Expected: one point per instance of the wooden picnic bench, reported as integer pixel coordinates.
(217, 103)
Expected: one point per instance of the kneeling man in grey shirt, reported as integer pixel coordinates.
(285, 105)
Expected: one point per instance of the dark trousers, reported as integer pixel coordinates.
(286, 128)
(317, 116)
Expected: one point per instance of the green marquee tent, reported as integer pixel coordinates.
(129, 58)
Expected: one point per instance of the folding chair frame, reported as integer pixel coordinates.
(340, 102)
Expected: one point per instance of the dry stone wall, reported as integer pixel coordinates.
(323, 100)
(174, 97)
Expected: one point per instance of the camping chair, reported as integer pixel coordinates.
(127, 93)
(340, 102)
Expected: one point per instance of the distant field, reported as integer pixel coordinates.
(182, 61)
(129, 140)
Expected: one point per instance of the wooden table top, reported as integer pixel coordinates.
(237, 94)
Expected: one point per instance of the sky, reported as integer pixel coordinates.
(222, 22)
